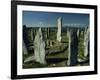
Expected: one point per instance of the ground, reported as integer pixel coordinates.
(58, 59)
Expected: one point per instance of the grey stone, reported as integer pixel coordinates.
(73, 48)
(86, 42)
(39, 48)
(59, 22)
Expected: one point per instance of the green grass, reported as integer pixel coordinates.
(57, 46)
(33, 64)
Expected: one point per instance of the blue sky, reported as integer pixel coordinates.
(42, 19)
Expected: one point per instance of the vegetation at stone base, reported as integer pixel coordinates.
(33, 64)
(26, 55)
(61, 55)
(81, 46)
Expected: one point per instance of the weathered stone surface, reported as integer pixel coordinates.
(39, 48)
(31, 35)
(59, 29)
(73, 48)
(30, 58)
(86, 42)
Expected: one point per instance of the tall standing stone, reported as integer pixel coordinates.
(25, 35)
(68, 32)
(39, 48)
(86, 42)
(31, 34)
(73, 48)
(69, 46)
(34, 32)
(47, 43)
(78, 32)
(48, 32)
(59, 22)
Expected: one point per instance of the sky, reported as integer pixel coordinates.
(45, 19)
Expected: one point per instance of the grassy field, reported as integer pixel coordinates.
(62, 56)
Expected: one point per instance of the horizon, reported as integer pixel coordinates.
(49, 19)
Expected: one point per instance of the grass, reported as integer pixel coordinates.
(57, 46)
(33, 64)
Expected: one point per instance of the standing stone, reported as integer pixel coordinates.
(39, 48)
(82, 32)
(51, 43)
(34, 32)
(73, 48)
(48, 32)
(59, 21)
(47, 43)
(68, 32)
(86, 42)
(69, 47)
(31, 34)
(25, 35)
(78, 32)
